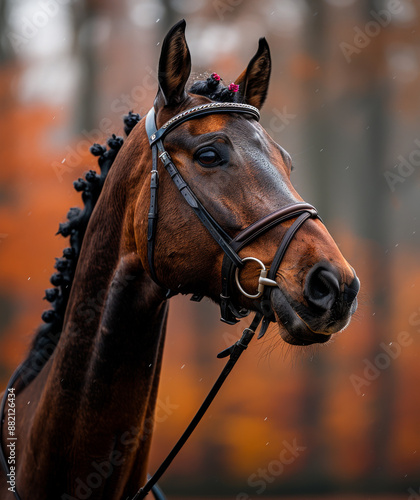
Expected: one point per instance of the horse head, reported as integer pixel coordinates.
(240, 175)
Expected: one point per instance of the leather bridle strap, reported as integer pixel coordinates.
(252, 232)
(153, 214)
(234, 353)
(199, 111)
(271, 275)
(285, 243)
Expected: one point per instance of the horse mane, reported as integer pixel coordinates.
(48, 334)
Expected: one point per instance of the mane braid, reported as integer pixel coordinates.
(48, 334)
(214, 90)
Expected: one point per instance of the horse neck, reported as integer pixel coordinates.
(100, 391)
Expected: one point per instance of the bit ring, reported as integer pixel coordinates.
(262, 280)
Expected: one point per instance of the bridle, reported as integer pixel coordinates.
(231, 266)
(232, 263)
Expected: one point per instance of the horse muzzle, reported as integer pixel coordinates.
(328, 307)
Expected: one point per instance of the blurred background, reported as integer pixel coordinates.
(339, 419)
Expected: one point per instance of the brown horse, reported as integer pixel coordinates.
(82, 417)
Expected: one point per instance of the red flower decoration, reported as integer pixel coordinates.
(216, 77)
(233, 87)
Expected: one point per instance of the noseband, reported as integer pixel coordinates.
(232, 263)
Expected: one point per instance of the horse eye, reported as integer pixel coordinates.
(209, 158)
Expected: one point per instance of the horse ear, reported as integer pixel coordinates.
(253, 82)
(174, 66)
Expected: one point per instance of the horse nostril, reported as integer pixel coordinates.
(321, 288)
(350, 291)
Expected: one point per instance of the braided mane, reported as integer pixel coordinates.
(48, 334)
(214, 89)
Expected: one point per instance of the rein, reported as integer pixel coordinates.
(230, 273)
(234, 353)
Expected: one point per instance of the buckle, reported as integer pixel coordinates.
(164, 157)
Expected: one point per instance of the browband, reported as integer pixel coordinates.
(197, 111)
